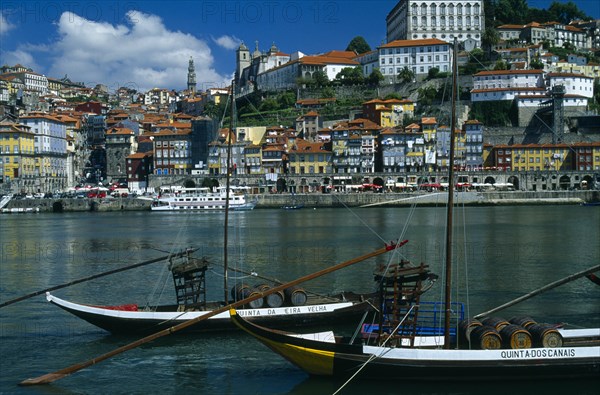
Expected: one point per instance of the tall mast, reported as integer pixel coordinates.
(227, 184)
(449, 224)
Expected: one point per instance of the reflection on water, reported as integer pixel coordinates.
(505, 253)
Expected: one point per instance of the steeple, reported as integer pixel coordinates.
(191, 77)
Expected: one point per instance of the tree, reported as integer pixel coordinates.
(375, 78)
(321, 79)
(406, 75)
(500, 65)
(489, 39)
(358, 45)
(269, 104)
(433, 72)
(426, 95)
(287, 99)
(350, 76)
(512, 11)
(536, 64)
(565, 13)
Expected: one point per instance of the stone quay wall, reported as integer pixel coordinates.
(323, 200)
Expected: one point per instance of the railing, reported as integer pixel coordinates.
(430, 320)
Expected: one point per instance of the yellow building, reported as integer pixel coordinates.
(308, 158)
(388, 113)
(17, 160)
(533, 157)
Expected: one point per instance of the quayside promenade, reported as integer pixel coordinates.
(321, 200)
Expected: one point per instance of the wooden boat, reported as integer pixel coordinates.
(291, 308)
(395, 348)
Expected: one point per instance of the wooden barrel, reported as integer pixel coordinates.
(275, 299)
(240, 291)
(262, 287)
(485, 337)
(296, 296)
(465, 327)
(515, 336)
(496, 322)
(523, 321)
(545, 335)
(258, 303)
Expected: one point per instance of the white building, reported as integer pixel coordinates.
(575, 84)
(286, 75)
(507, 84)
(441, 19)
(50, 150)
(529, 84)
(418, 55)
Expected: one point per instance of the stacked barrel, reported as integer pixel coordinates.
(494, 333)
(293, 296)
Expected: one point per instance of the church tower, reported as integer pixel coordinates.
(191, 77)
(243, 61)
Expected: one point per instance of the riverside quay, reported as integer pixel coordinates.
(399, 182)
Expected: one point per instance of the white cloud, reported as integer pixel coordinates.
(228, 42)
(5, 25)
(22, 57)
(142, 54)
(145, 54)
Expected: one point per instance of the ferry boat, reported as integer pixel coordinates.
(203, 199)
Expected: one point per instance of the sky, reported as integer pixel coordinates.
(147, 44)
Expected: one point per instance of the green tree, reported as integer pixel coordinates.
(358, 45)
(489, 39)
(536, 64)
(512, 11)
(426, 95)
(269, 104)
(393, 95)
(375, 78)
(321, 79)
(433, 72)
(406, 75)
(350, 76)
(287, 99)
(328, 91)
(566, 12)
(500, 65)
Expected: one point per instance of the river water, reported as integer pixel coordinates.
(502, 253)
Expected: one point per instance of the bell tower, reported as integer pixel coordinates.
(191, 77)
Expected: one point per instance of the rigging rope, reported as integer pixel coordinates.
(373, 356)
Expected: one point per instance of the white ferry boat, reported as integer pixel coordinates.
(203, 199)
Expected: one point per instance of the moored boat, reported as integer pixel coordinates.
(203, 199)
(298, 308)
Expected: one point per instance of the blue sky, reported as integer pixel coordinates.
(146, 44)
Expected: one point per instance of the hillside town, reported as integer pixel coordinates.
(57, 134)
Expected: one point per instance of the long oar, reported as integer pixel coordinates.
(59, 374)
(540, 290)
(81, 280)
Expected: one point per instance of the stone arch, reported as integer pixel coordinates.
(587, 182)
(489, 180)
(515, 181)
(564, 182)
(378, 181)
(281, 185)
(58, 207)
(189, 183)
